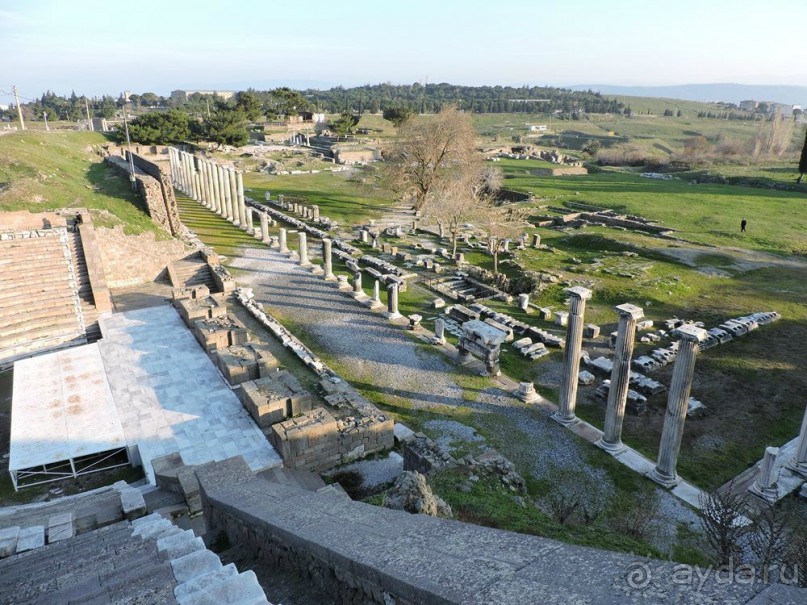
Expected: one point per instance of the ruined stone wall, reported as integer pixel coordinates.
(135, 259)
(162, 208)
(157, 194)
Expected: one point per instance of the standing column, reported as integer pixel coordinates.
(211, 187)
(172, 166)
(181, 174)
(611, 440)
(186, 174)
(239, 185)
(248, 221)
(392, 300)
(284, 247)
(765, 484)
(225, 185)
(203, 182)
(571, 357)
(377, 293)
(264, 227)
(236, 211)
(222, 191)
(665, 471)
(799, 461)
(327, 261)
(357, 289)
(315, 213)
(194, 178)
(206, 182)
(214, 172)
(304, 262)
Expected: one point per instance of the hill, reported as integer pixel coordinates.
(731, 93)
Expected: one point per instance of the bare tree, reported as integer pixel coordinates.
(501, 222)
(723, 522)
(773, 137)
(797, 557)
(770, 540)
(428, 152)
(633, 513)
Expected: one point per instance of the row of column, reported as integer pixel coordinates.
(675, 416)
(328, 274)
(219, 188)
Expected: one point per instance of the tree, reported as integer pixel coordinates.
(345, 124)
(397, 115)
(159, 128)
(227, 126)
(803, 160)
(723, 523)
(249, 104)
(770, 540)
(501, 222)
(427, 154)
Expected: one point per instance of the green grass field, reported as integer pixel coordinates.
(45, 171)
(338, 197)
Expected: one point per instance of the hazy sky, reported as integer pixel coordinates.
(96, 47)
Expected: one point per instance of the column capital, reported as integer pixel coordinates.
(627, 310)
(691, 333)
(580, 292)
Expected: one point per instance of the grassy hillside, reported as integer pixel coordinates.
(45, 171)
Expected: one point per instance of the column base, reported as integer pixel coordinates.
(360, 296)
(769, 494)
(612, 448)
(374, 304)
(392, 316)
(800, 469)
(438, 341)
(564, 420)
(317, 270)
(305, 264)
(330, 277)
(531, 398)
(663, 479)
(284, 251)
(251, 232)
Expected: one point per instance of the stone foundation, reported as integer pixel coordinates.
(275, 397)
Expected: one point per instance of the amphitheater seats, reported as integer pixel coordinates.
(43, 291)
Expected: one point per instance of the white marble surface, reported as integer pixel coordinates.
(170, 397)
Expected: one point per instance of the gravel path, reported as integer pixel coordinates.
(382, 359)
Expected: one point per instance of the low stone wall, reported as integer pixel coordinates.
(135, 259)
(95, 267)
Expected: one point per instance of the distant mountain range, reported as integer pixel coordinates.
(732, 93)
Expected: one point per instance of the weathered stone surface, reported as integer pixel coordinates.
(194, 564)
(412, 493)
(30, 538)
(8, 541)
(132, 503)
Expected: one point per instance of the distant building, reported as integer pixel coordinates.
(181, 96)
(749, 105)
(538, 128)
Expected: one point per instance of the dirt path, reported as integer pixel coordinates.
(742, 259)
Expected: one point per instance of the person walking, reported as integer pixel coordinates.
(743, 223)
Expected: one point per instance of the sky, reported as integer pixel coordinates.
(99, 47)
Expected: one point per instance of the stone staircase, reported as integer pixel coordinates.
(40, 306)
(148, 560)
(191, 271)
(88, 309)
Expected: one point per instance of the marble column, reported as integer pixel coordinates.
(799, 461)
(172, 166)
(211, 184)
(315, 212)
(197, 181)
(611, 440)
(236, 212)
(571, 356)
(440, 331)
(224, 179)
(327, 260)
(203, 183)
(242, 205)
(248, 221)
(304, 262)
(357, 289)
(183, 173)
(284, 247)
(197, 195)
(214, 173)
(665, 471)
(765, 484)
(377, 292)
(392, 300)
(264, 227)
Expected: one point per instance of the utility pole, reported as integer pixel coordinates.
(45, 115)
(89, 120)
(132, 179)
(19, 109)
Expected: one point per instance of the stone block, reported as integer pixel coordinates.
(203, 583)
(60, 527)
(8, 541)
(591, 331)
(208, 307)
(191, 292)
(30, 538)
(275, 397)
(132, 503)
(220, 332)
(240, 363)
(586, 378)
(195, 564)
(561, 318)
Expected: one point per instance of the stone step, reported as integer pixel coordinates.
(242, 589)
(40, 326)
